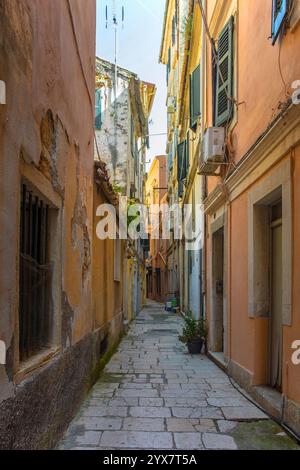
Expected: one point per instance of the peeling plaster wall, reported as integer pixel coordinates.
(46, 133)
(114, 137)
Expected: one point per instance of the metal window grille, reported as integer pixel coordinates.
(35, 275)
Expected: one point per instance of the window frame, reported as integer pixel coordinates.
(193, 115)
(43, 188)
(227, 115)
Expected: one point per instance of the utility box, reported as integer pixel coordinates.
(214, 145)
(213, 150)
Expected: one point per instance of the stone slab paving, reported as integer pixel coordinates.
(153, 395)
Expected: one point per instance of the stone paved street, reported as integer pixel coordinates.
(153, 395)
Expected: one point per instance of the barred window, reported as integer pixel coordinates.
(35, 275)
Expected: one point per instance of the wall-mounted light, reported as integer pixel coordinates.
(2, 92)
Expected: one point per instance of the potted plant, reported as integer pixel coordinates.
(194, 333)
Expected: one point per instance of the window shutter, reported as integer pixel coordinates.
(279, 12)
(98, 110)
(181, 163)
(180, 159)
(187, 154)
(225, 66)
(194, 97)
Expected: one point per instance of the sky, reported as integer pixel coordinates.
(138, 51)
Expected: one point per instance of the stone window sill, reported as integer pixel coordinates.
(27, 368)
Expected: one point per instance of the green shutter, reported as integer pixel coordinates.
(180, 160)
(98, 110)
(224, 107)
(181, 163)
(187, 154)
(195, 110)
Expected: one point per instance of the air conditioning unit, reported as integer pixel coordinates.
(213, 150)
(171, 104)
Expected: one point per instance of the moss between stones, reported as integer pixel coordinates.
(262, 435)
(97, 370)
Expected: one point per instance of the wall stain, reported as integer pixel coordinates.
(67, 321)
(79, 219)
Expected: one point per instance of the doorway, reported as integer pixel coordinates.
(218, 290)
(275, 322)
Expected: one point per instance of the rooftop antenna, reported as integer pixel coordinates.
(115, 25)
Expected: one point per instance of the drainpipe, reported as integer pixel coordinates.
(203, 185)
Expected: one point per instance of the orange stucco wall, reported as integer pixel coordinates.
(293, 333)
(248, 337)
(260, 88)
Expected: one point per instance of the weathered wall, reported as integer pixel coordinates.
(114, 137)
(46, 136)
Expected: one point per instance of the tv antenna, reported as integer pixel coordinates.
(115, 25)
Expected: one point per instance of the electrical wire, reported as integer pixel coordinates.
(281, 72)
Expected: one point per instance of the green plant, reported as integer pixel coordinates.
(193, 330)
(116, 188)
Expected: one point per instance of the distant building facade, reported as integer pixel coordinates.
(156, 194)
(123, 105)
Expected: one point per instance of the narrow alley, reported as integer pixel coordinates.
(153, 395)
(149, 227)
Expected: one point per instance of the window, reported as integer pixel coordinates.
(35, 275)
(279, 13)
(224, 85)
(194, 97)
(182, 164)
(158, 281)
(98, 111)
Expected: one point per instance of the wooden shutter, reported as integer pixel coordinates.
(279, 12)
(187, 154)
(224, 106)
(98, 110)
(181, 164)
(194, 97)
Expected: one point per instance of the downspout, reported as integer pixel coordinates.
(204, 182)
